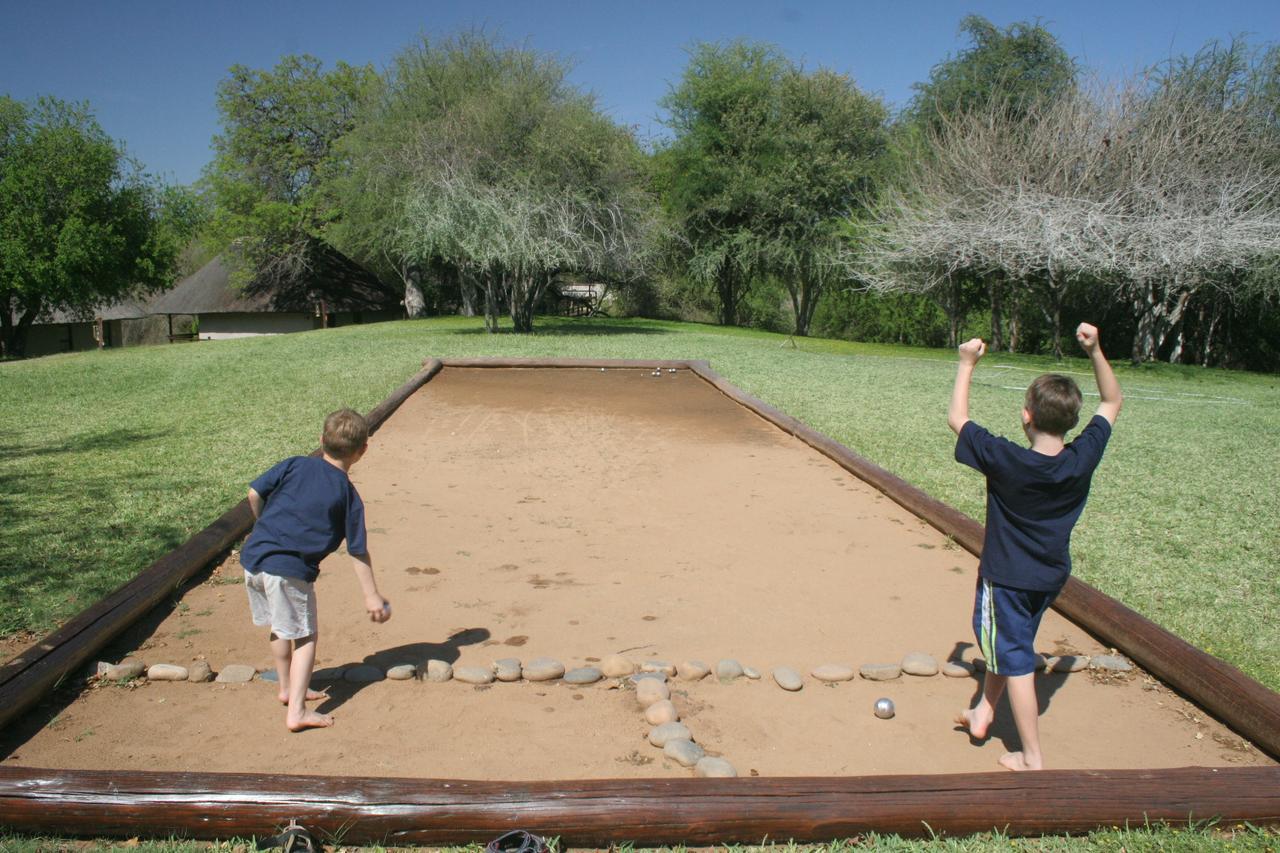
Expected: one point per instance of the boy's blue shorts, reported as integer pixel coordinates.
(1005, 621)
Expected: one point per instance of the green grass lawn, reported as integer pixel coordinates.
(112, 458)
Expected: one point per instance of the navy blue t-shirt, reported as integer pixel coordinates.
(310, 507)
(1033, 501)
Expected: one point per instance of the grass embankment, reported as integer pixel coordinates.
(111, 458)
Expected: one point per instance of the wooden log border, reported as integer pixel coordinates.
(649, 811)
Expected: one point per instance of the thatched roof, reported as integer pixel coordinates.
(125, 309)
(343, 284)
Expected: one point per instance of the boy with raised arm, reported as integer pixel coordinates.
(1034, 496)
(305, 506)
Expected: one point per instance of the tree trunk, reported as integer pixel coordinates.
(414, 304)
(1210, 333)
(490, 281)
(726, 288)
(995, 296)
(14, 342)
(467, 293)
(804, 300)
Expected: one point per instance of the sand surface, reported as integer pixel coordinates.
(580, 513)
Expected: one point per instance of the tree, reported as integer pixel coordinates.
(713, 175)
(276, 156)
(516, 177)
(1013, 72)
(1019, 67)
(80, 224)
(767, 163)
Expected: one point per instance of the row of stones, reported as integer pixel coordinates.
(673, 737)
(615, 666)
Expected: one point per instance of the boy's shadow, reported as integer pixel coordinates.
(1003, 727)
(415, 653)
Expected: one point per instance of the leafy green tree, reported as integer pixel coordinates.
(276, 157)
(714, 176)
(767, 164)
(1020, 66)
(514, 177)
(80, 224)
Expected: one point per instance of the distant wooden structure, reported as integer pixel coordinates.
(332, 291)
(115, 324)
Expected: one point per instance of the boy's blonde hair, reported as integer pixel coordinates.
(1053, 402)
(345, 432)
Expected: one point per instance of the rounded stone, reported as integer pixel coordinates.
(507, 669)
(660, 734)
(684, 752)
(127, 668)
(833, 672)
(616, 666)
(583, 675)
(880, 671)
(651, 690)
(271, 676)
(329, 673)
(1111, 663)
(200, 671)
(167, 672)
(662, 711)
(919, 663)
(714, 768)
(236, 673)
(751, 672)
(402, 672)
(667, 669)
(692, 670)
(787, 678)
(1069, 663)
(543, 669)
(365, 673)
(728, 669)
(439, 670)
(648, 676)
(473, 674)
(957, 669)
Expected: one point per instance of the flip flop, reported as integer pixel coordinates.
(516, 841)
(294, 838)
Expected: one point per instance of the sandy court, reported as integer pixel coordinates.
(577, 513)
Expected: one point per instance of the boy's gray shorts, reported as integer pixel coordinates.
(288, 605)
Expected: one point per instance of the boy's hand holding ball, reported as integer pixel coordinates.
(379, 609)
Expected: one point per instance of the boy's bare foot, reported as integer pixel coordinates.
(310, 720)
(312, 696)
(976, 724)
(1017, 761)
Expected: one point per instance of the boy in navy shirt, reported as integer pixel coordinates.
(305, 506)
(1034, 497)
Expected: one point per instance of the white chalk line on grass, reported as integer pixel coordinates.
(1129, 396)
(1177, 396)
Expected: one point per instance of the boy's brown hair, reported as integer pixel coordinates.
(1053, 402)
(345, 432)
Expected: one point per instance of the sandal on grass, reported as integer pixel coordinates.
(516, 841)
(294, 838)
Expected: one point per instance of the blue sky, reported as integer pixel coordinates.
(150, 69)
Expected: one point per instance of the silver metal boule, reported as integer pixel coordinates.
(884, 708)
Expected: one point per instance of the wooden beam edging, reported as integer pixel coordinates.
(26, 678)
(540, 362)
(1247, 707)
(649, 812)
